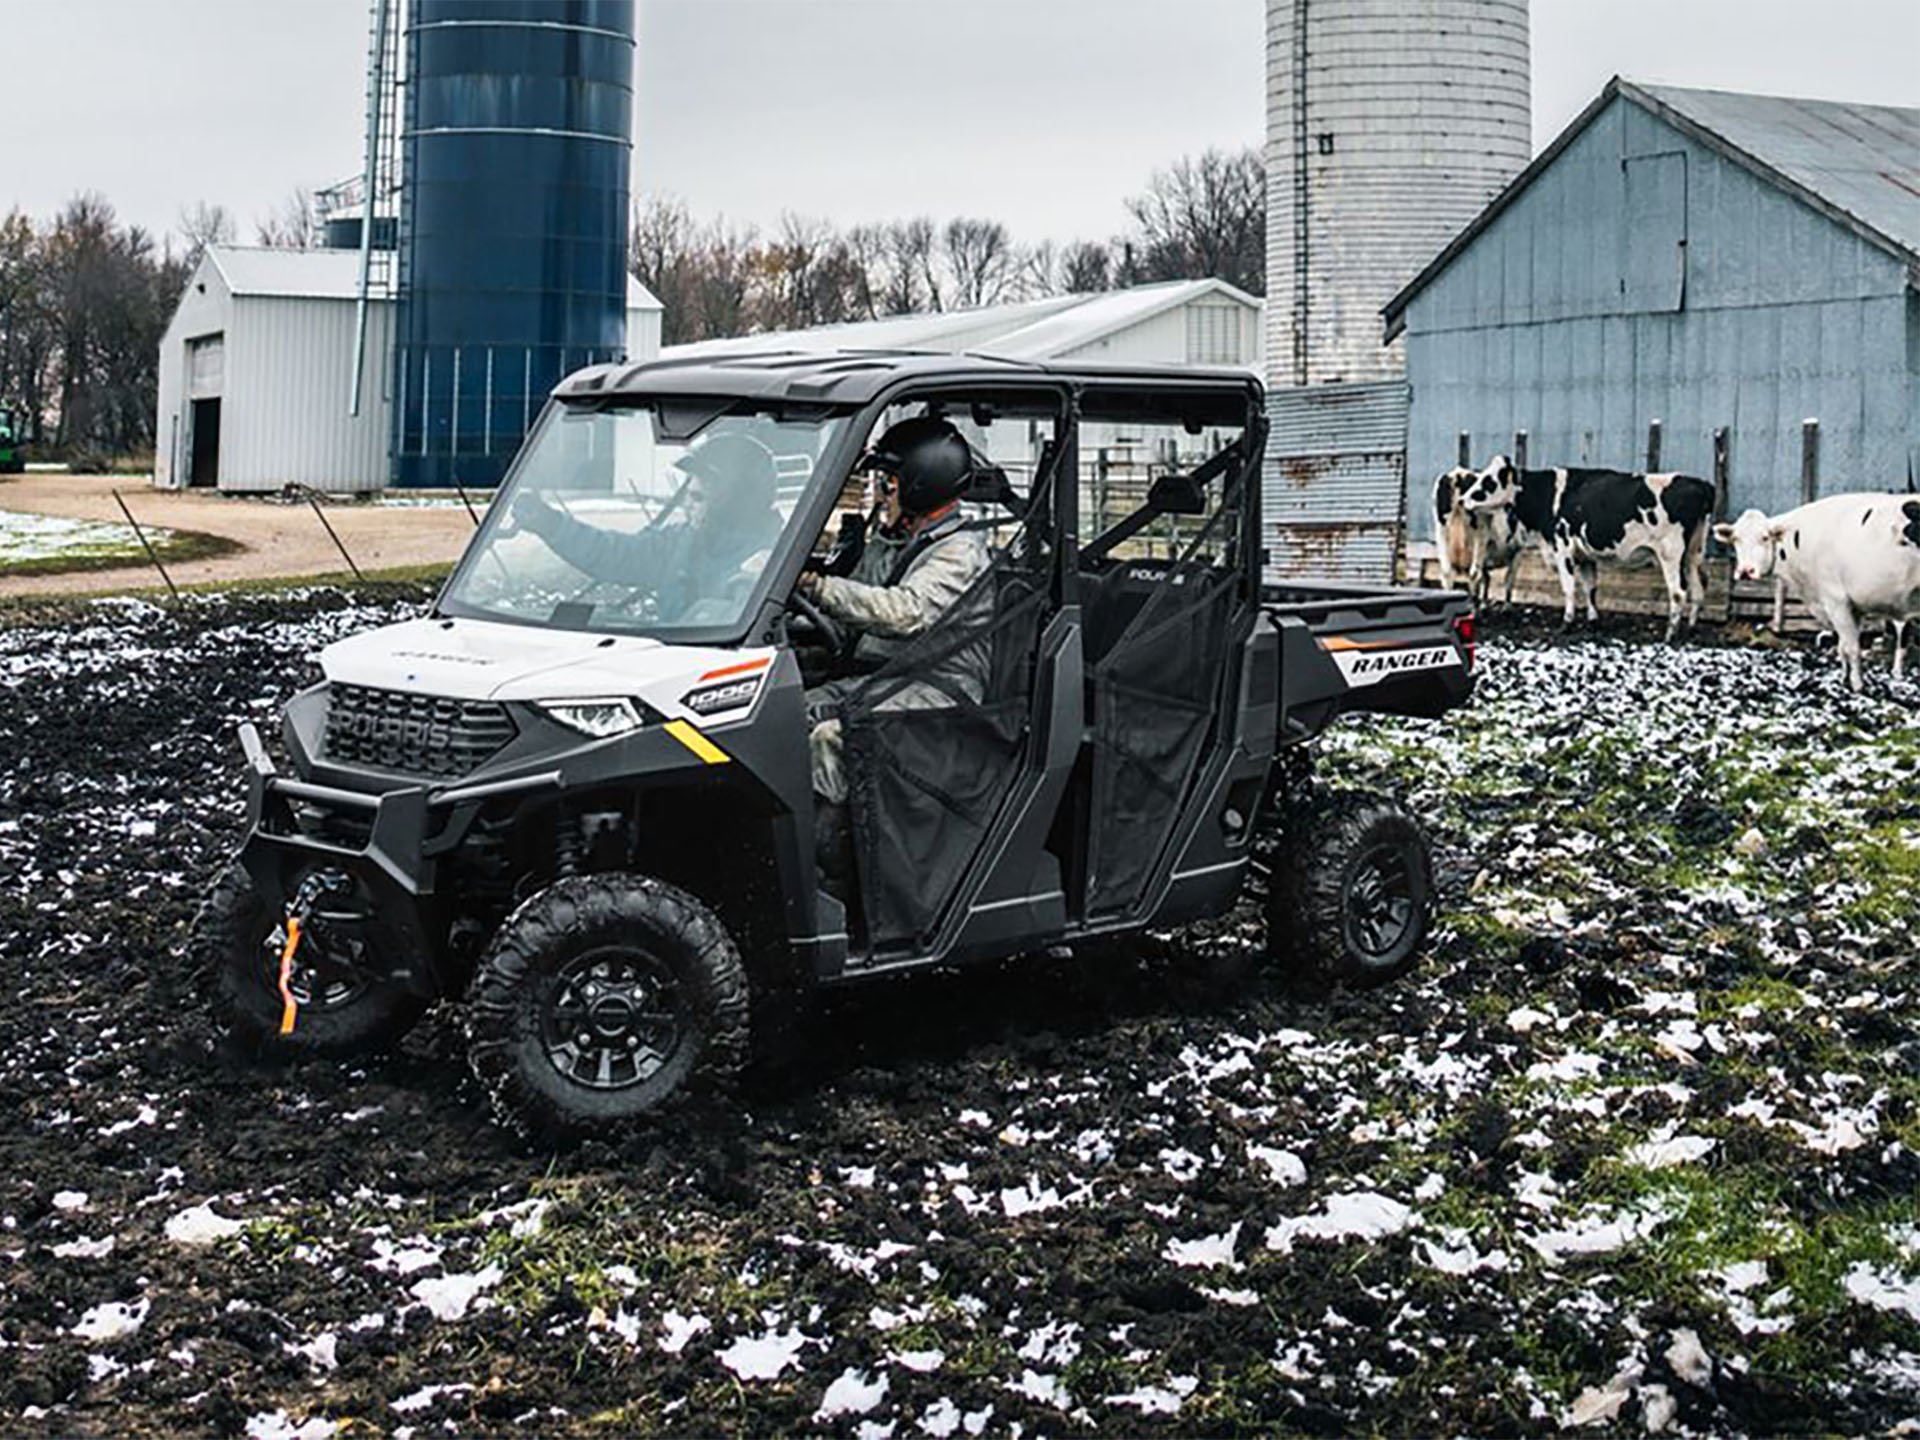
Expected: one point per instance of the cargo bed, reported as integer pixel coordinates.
(1347, 649)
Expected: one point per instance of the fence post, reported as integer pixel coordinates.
(1653, 446)
(313, 499)
(141, 536)
(1809, 459)
(1519, 449)
(1465, 457)
(1722, 472)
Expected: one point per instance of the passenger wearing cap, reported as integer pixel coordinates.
(713, 537)
(913, 572)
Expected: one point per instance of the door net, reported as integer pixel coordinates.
(1159, 635)
(935, 738)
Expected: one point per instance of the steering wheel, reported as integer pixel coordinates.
(829, 632)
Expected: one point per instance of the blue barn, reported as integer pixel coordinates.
(1723, 284)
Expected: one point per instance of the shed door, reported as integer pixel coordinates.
(1654, 253)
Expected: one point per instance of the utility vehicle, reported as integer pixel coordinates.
(580, 800)
(13, 445)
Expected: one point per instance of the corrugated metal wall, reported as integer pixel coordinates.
(205, 309)
(288, 380)
(1335, 481)
(1390, 124)
(1580, 316)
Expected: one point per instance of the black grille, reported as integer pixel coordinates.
(414, 734)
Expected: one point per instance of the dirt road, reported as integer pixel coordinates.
(280, 538)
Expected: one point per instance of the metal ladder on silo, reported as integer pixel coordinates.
(380, 179)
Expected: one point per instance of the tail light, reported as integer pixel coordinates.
(1463, 628)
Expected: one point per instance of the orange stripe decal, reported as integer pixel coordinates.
(760, 664)
(1340, 642)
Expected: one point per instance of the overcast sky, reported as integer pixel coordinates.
(1043, 113)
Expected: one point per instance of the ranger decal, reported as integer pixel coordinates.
(1361, 665)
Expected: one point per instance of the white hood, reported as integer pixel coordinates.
(486, 660)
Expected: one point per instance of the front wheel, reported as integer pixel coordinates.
(1352, 890)
(603, 1000)
(344, 1006)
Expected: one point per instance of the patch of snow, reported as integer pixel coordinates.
(425, 1396)
(853, 1392)
(940, 1419)
(1664, 1154)
(921, 1362)
(450, 1296)
(104, 1324)
(1689, 1358)
(1029, 1199)
(392, 1259)
(322, 1352)
(1884, 1290)
(70, 1200)
(200, 1225)
(525, 1219)
(1356, 1215)
(1596, 1235)
(1209, 1252)
(763, 1357)
(1283, 1167)
(85, 1249)
(1159, 1399)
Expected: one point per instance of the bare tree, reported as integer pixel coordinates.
(202, 225)
(294, 226)
(979, 257)
(1085, 268)
(913, 278)
(1203, 217)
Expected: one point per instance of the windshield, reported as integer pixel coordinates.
(610, 524)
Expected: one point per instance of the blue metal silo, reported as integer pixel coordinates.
(513, 221)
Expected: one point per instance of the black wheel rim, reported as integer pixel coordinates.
(324, 974)
(1379, 903)
(613, 1018)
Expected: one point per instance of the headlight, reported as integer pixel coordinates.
(598, 718)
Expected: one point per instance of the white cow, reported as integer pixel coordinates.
(1472, 543)
(1846, 557)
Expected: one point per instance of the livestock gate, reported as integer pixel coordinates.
(1334, 489)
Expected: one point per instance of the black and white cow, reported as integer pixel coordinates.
(1847, 557)
(1472, 544)
(1579, 517)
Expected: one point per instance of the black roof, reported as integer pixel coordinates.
(854, 377)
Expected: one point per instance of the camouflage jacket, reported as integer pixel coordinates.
(947, 562)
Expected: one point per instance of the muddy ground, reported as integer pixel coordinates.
(1633, 1149)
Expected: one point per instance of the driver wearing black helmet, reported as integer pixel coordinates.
(714, 534)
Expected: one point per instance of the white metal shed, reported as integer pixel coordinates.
(256, 373)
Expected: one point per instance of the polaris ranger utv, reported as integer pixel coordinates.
(577, 793)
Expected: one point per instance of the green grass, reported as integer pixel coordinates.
(43, 609)
(176, 547)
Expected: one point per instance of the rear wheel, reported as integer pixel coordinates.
(603, 1000)
(1352, 890)
(343, 1006)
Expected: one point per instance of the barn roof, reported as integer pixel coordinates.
(1026, 330)
(1859, 165)
(322, 274)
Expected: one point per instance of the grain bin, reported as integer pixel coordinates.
(517, 146)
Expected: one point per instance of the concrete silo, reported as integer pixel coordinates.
(1390, 125)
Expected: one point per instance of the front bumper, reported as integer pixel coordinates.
(406, 830)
